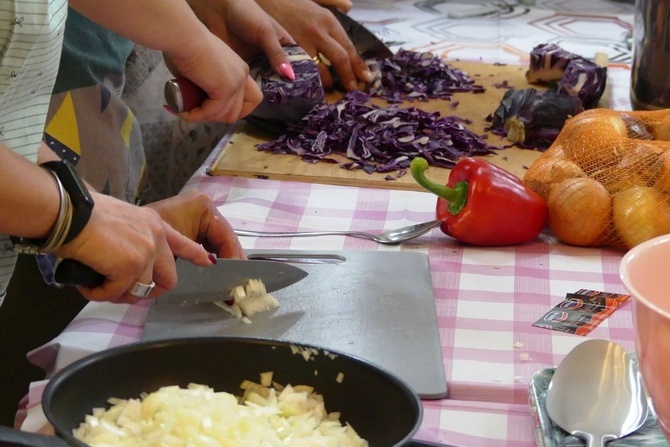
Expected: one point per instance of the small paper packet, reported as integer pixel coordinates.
(581, 311)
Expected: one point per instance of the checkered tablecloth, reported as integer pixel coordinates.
(486, 298)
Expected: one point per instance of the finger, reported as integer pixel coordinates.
(185, 248)
(164, 270)
(141, 288)
(271, 43)
(324, 73)
(220, 237)
(252, 97)
(345, 59)
(223, 110)
(284, 36)
(342, 5)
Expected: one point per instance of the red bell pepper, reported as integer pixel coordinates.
(483, 204)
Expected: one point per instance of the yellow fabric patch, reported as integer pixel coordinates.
(63, 126)
(126, 128)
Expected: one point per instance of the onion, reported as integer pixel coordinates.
(249, 299)
(199, 416)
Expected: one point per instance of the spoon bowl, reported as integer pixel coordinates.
(390, 237)
(596, 393)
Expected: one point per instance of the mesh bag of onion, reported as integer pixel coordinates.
(606, 178)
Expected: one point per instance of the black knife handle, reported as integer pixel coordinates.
(73, 273)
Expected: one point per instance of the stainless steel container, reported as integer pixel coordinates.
(650, 76)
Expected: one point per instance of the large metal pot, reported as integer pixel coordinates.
(381, 407)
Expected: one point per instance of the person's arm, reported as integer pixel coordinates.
(123, 242)
(29, 199)
(172, 27)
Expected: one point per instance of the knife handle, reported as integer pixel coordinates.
(182, 95)
(71, 272)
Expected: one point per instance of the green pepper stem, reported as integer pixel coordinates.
(456, 196)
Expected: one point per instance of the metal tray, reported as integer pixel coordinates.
(549, 435)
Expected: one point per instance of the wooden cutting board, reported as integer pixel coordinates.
(239, 157)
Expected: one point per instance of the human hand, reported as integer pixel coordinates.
(194, 215)
(317, 31)
(214, 67)
(127, 243)
(247, 29)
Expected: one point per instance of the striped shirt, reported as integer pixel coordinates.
(31, 34)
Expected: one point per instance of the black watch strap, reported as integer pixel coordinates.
(79, 207)
(81, 199)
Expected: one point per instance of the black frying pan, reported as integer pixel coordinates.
(380, 406)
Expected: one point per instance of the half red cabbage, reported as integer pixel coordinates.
(548, 63)
(584, 80)
(284, 99)
(378, 139)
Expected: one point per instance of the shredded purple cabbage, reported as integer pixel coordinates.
(376, 139)
(411, 75)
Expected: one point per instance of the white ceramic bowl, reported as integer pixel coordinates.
(645, 271)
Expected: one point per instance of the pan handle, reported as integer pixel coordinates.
(17, 437)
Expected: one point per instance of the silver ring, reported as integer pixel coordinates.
(141, 290)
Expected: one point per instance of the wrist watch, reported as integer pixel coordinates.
(81, 199)
(82, 204)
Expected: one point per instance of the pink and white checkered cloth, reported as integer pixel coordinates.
(486, 298)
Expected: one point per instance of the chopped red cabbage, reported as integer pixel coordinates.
(378, 139)
(290, 100)
(411, 75)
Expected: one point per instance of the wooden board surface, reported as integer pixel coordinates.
(241, 158)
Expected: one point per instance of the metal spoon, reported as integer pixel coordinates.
(596, 393)
(388, 237)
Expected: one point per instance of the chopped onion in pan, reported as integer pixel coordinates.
(199, 416)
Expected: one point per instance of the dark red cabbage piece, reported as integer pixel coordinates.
(585, 80)
(284, 99)
(533, 118)
(412, 75)
(548, 63)
(377, 139)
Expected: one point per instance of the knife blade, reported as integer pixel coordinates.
(368, 45)
(214, 283)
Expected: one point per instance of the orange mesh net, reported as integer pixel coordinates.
(606, 178)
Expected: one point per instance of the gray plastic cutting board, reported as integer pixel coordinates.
(375, 305)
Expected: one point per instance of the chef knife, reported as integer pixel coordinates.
(198, 284)
(214, 283)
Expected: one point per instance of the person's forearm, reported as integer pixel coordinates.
(164, 25)
(29, 200)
